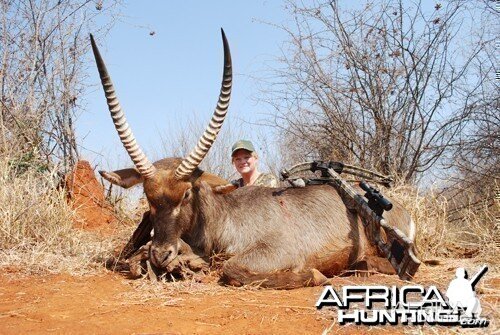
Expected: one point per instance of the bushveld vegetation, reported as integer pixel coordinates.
(390, 89)
(41, 89)
(36, 225)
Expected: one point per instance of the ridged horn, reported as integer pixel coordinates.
(140, 160)
(191, 162)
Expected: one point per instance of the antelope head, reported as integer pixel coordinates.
(168, 184)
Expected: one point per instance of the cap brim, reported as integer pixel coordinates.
(241, 148)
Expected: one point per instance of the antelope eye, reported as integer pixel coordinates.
(187, 196)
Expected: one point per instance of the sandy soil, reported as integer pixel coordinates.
(113, 304)
(110, 303)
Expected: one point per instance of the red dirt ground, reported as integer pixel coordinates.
(62, 304)
(112, 304)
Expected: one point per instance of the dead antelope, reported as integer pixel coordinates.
(279, 238)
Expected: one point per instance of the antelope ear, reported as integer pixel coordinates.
(125, 178)
(216, 183)
(224, 189)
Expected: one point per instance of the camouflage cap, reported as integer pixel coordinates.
(242, 144)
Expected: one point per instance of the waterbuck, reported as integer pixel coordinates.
(279, 238)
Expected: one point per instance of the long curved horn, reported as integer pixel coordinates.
(140, 160)
(205, 142)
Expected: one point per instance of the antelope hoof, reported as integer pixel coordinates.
(136, 262)
(197, 264)
(318, 278)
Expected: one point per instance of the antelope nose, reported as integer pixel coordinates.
(160, 256)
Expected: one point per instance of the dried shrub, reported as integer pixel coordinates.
(36, 232)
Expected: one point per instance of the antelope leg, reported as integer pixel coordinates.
(140, 237)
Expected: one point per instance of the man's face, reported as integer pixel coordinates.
(244, 161)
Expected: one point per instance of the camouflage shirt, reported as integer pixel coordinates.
(265, 179)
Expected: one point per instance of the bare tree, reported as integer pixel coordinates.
(474, 163)
(43, 48)
(387, 86)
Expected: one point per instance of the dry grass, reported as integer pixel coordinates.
(474, 235)
(36, 233)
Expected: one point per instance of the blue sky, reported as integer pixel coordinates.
(166, 79)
